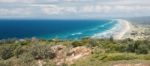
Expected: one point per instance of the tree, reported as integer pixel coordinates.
(111, 39)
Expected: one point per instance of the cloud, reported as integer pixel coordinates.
(52, 9)
(17, 1)
(57, 10)
(15, 12)
(40, 1)
(97, 10)
(79, 1)
(75, 8)
(128, 10)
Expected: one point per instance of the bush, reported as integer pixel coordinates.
(7, 53)
(77, 43)
(142, 49)
(26, 58)
(18, 51)
(5, 63)
(121, 48)
(43, 52)
(131, 48)
(137, 48)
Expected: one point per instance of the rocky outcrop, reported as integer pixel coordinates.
(69, 55)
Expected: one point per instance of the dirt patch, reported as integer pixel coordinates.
(136, 64)
(70, 55)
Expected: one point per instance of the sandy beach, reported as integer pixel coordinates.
(137, 31)
(125, 27)
(117, 32)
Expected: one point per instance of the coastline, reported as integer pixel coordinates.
(118, 32)
(125, 28)
(138, 31)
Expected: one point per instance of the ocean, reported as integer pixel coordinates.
(48, 29)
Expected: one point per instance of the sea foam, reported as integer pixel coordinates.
(116, 32)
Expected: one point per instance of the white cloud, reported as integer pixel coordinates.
(7, 1)
(91, 10)
(76, 7)
(40, 1)
(17, 1)
(97, 9)
(79, 1)
(14, 12)
(50, 10)
(57, 10)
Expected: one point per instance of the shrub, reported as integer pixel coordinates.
(137, 47)
(93, 43)
(77, 43)
(18, 51)
(121, 47)
(130, 48)
(7, 53)
(142, 49)
(5, 63)
(43, 52)
(26, 58)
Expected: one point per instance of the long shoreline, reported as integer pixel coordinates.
(126, 28)
(117, 32)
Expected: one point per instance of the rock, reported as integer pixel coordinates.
(69, 56)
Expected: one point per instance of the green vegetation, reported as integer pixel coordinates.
(27, 52)
(7, 53)
(43, 52)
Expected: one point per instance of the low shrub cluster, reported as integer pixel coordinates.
(102, 50)
(43, 52)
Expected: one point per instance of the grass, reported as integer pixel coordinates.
(28, 52)
(110, 59)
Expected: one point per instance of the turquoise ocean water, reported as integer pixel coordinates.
(47, 29)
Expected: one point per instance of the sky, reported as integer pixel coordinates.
(50, 9)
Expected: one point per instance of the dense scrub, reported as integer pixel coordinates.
(27, 52)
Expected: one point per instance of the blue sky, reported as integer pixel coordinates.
(73, 8)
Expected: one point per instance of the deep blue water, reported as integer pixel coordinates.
(63, 29)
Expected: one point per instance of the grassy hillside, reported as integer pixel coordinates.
(33, 52)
